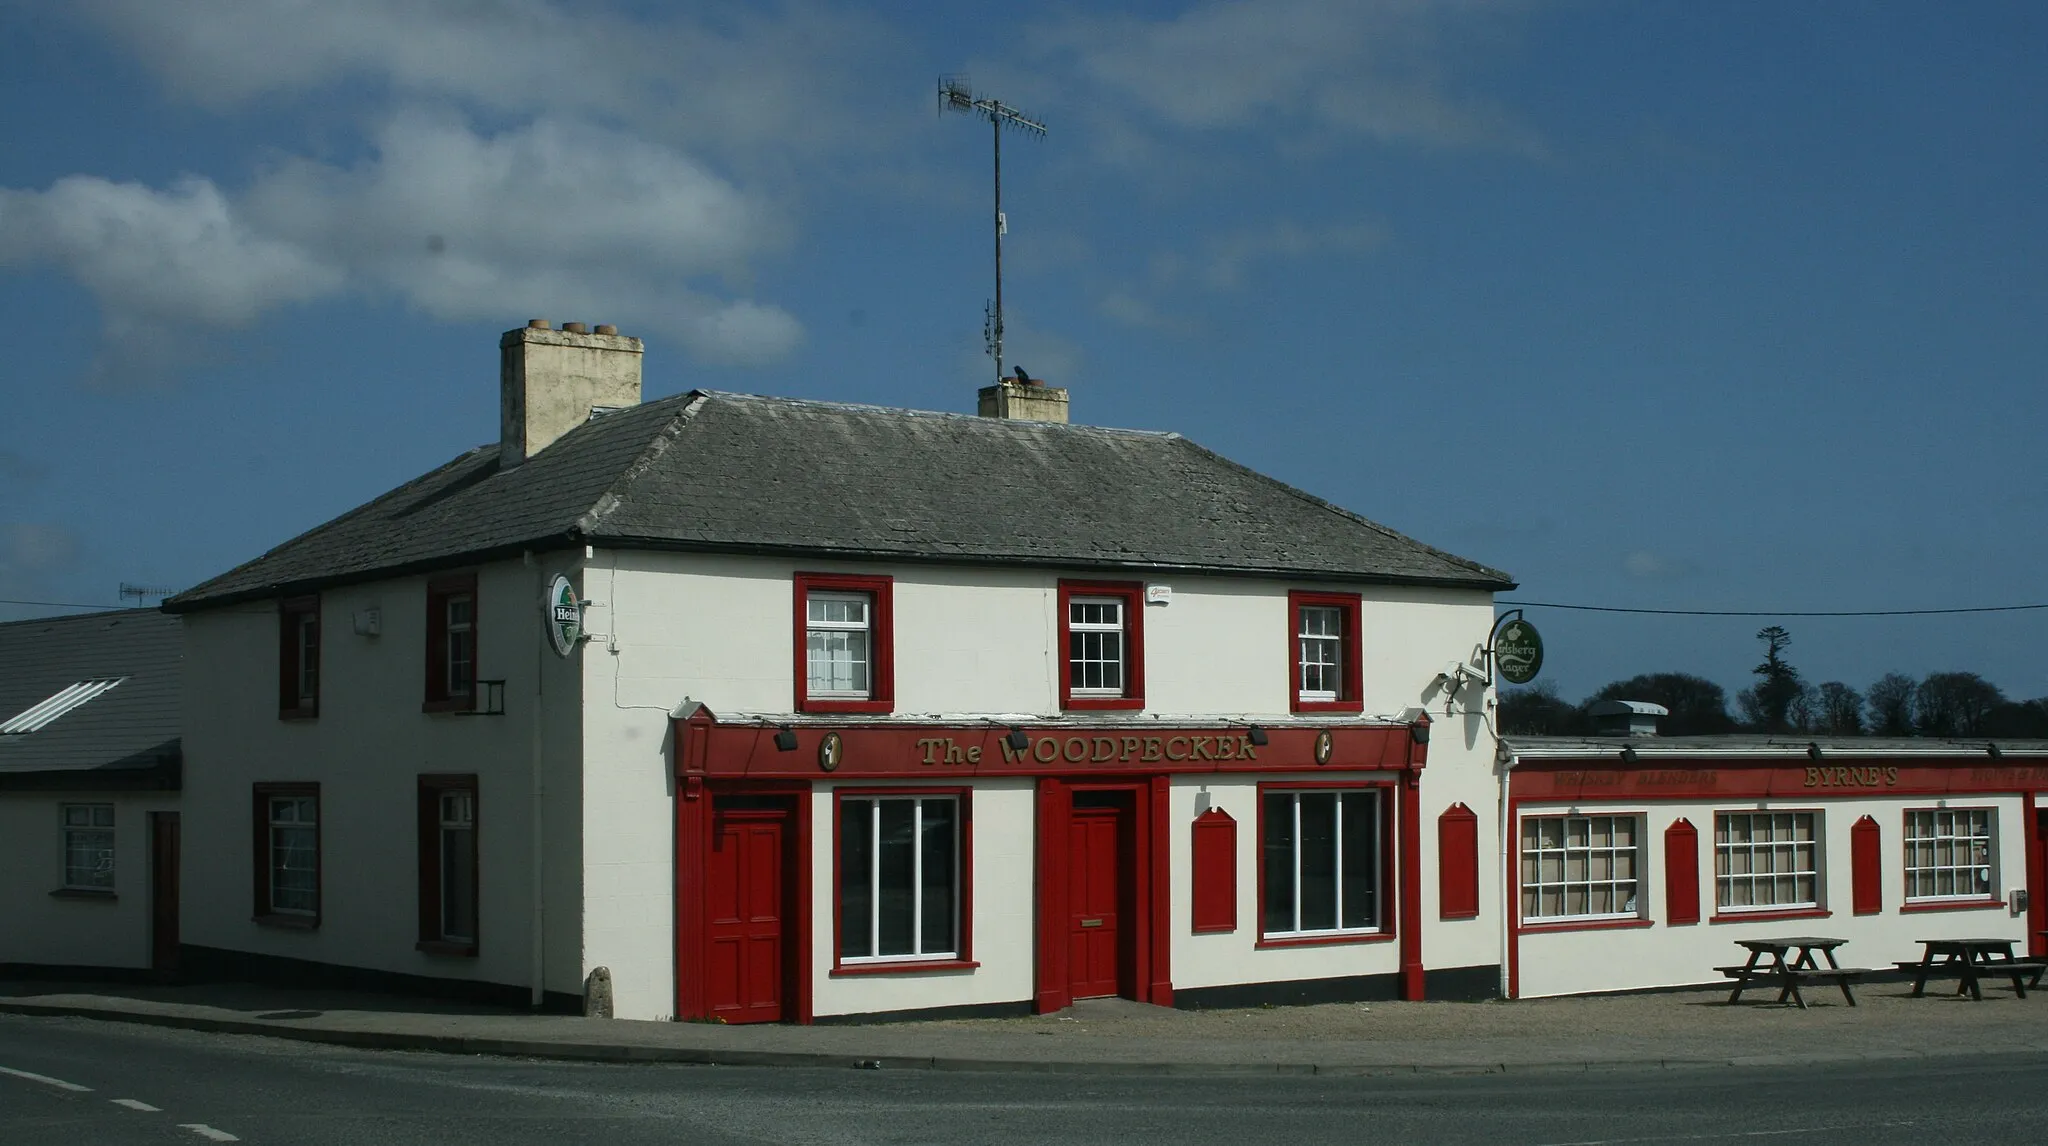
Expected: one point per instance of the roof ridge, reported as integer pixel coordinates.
(1333, 507)
(657, 445)
(955, 415)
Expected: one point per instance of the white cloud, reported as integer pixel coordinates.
(1374, 69)
(1228, 255)
(554, 218)
(29, 548)
(1653, 566)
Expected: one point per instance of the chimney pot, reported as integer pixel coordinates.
(607, 328)
(536, 324)
(575, 328)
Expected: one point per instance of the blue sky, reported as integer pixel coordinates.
(1655, 305)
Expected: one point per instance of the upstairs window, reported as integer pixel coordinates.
(1102, 635)
(844, 643)
(451, 643)
(298, 657)
(1323, 636)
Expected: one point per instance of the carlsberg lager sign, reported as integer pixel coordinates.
(563, 615)
(1518, 651)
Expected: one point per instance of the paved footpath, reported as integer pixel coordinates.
(1670, 1029)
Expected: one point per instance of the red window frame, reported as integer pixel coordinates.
(1350, 657)
(1132, 593)
(261, 793)
(881, 641)
(293, 614)
(439, 590)
(432, 787)
(964, 957)
(1389, 883)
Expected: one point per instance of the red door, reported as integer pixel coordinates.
(1100, 891)
(163, 892)
(745, 905)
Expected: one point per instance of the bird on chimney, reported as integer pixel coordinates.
(1023, 378)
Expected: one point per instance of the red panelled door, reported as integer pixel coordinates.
(1101, 854)
(745, 903)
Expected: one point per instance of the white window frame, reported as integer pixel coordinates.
(1120, 627)
(1328, 642)
(815, 626)
(1629, 906)
(1941, 840)
(1376, 800)
(1769, 857)
(85, 822)
(918, 952)
(273, 850)
(460, 672)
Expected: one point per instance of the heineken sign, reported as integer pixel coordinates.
(563, 615)
(1518, 652)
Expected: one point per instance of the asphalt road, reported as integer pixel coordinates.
(149, 1085)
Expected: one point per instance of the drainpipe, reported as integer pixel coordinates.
(537, 910)
(1510, 887)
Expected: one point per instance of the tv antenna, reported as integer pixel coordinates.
(141, 593)
(956, 94)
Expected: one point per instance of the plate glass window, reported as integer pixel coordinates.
(458, 865)
(88, 847)
(1579, 867)
(1322, 863)
(461, 639)
(838, 643)
(1949, 853)
(899, 878)
(294, 855)
(1095, 645)
(1320, 633)
(1766, 860)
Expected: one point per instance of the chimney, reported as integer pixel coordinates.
(550, 380)
(1024, 400)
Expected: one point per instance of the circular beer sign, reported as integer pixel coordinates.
(563, 615)
(1518, 652)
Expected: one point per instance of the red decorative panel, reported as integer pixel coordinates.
(1215, 871)
(1457, 863)
(1681, 872)
(1866, 867)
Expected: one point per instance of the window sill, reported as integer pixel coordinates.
(466, 704)
(1527, 928)
(87, 893)
(1769, 916)
(1103, 703)
(287, 922)
(454, 947)
(1952, 905)
(298, 713)
(903, 968)
(1449, 915)
(1323, 940)
(845, 705)
(1301, 705)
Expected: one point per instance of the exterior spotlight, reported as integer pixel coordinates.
(1017, 741)
(1419, 732)
(1257, 736)
(785, 739)
(1994, 751)
(1628, 754)
(1813, 749)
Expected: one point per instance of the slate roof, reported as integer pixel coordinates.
(1971, 752)
(713, 471)
(126, 737)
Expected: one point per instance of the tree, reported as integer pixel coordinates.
(1954, 704)
(1890, 703)
(1838, 710)
(1699, 707)
(1766, 705)
(1539, 711)
(2026, 719)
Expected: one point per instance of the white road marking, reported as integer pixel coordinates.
(205, 1131)
(137, 1104)
(45, 1079)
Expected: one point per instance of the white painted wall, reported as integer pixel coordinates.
(36, 927)
(366, 749)
(1569, 962)
(1003, 924)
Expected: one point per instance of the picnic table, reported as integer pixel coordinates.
(1768, 966)
(1970, 961)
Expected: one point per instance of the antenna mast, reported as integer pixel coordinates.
(955, 94)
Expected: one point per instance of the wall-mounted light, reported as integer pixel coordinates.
(785, 739)
(1419, 732)
(1256, 735)
(1628, 754)
(1813, 750)
(1017, 741)
(1994, 751)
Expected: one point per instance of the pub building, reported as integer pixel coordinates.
(1637, 861)
(765, 709)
